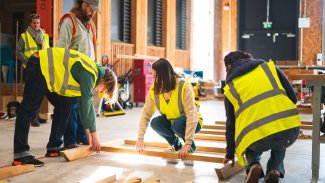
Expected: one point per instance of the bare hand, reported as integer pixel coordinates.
(226, 160)
(184, 151)
(139, 146)
(93, 141)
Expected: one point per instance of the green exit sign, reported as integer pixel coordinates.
(267, 25)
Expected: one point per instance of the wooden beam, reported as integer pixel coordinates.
(77, 153)
(139, 26)
(210, 137)
(306, 127)
(306, 122)
(212, 132)
(132, 180)
(166, 154)
(11, 171)
(165, 145)
(217, 127)
(169, 29)
(220, 122)
(227, 171)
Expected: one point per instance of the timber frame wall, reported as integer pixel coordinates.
(138, 45)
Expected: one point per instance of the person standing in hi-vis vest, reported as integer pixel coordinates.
(261, 115)
(179, 116)
(31, 41)
(60, 74)
(77, 31)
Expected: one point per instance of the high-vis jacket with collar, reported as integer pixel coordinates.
(56, 66)
(261, 108)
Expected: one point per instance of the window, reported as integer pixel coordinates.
(181, 24)
(121, 21)
(154, 29)
(68, 5)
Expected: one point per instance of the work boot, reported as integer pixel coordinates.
(27, 160)
(254, 173)
(272, 177)
(35, 122)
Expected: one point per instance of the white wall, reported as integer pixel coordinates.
(203, 37)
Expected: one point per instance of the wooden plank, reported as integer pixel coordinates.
(151, 181)
(212, 132)
(165, 145)
(108, 179)
(227, 171)
(306, 127)
(77, 153)
(210, 137)
(84, 151)
(306, 122)
(165, 154)
(217, 127)
(132, 180)
(220, 122)
(11, 171)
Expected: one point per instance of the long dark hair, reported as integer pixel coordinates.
(165, 80)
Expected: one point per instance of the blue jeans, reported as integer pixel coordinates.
(277, 143)
(74, 132)
(34, 92)
(168, 130)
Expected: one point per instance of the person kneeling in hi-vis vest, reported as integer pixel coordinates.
(59, 74)
(261, 115)
(179, 117)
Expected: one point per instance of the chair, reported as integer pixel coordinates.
(6, 60)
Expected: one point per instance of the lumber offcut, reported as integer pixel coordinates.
(228, 170)
(10, 171)
(77, 153)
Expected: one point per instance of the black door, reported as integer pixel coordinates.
(278, 42)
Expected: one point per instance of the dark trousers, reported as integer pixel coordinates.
(34, 92)
(74, 133)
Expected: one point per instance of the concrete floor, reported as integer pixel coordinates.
(297, 162)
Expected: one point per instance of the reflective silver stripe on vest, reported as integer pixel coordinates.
(180, 105)
(234, 92)
(51, 67)
(264, 121)
(269, 75)
(27, 44)
(258, 98)
(84, 62)
(65, 85)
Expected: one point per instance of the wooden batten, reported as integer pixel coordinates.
(11, 171)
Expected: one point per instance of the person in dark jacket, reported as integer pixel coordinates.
(261, 115)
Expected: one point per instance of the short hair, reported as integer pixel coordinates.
(33, 16)
(111, 86)
(232, 57)
(165, 80)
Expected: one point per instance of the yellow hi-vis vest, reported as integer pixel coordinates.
(261, 105)
(30, 44)
(56, 66)
(175, 107)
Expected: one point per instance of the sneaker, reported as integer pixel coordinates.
(254, 173)
(176, 146)
(71, 146)
(54, 153)
(35, 122)
(272, 177)
(27, 160)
